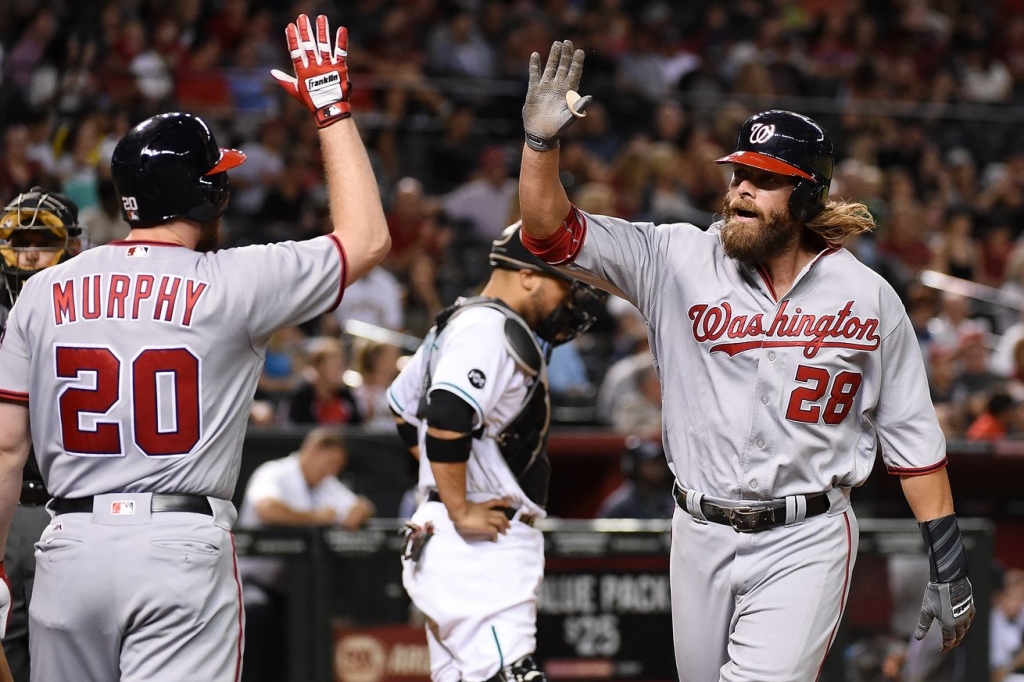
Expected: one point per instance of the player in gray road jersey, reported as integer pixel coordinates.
(137, 362)
(786, 366)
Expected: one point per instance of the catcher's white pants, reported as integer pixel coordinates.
(480, 598)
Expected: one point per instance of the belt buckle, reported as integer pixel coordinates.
(743, 519)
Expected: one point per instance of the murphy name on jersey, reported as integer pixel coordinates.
(163, 298)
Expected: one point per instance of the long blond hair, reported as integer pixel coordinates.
(840, 220)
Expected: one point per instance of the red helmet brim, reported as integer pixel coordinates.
(229, 158)
(765, 163)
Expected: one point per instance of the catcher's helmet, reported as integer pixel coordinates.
(35, 222)
(508, 252)
(570, 319)
(789, 144)
(169, 166)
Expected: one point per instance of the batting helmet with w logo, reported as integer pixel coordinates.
(789, 144)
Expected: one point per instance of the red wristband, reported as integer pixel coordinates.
(564, 245)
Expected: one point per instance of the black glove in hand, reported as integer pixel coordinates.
(952, 604)
(547, 113)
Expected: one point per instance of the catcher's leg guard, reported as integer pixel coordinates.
(523, 670)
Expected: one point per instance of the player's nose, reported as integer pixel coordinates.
(28, 259)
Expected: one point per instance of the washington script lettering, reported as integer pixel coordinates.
(796, 330)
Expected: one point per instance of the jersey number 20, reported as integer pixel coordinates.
(841, 391)
(162, 380)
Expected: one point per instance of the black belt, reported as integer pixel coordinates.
(509, 512)
(162, 502)
(33, 494)
(749, 519)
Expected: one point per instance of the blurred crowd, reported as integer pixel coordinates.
(923, 98)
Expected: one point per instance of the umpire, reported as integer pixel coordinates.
(38, 229)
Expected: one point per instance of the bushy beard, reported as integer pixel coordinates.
(758, 242)
(209, 236)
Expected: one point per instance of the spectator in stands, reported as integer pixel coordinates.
(377, 364)
(458, 49)
(639, 410)
(301, 489)
(997, 421)
(453, 157)
(376, 298)
(975, 381)
(18, 172)
(77, 164)
(29, 49)
(954, 322)
(903, 237)
(40, 146)
(282, 366)
(264, 162)
(201, 84)
(956, 250)
(422, 299)
(942, 369)
(879, 659)
(647, 491)
(1006, 657)
(921, 307)
(103, 221)
(567, 376)
(324, 397)
(409, 223)
(486, 200)
(1010, 320)
(621, 378)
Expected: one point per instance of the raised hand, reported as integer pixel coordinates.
(552, 103)
(321, 81)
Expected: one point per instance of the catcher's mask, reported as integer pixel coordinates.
(574, 315)
(793, 145)
(37, 229)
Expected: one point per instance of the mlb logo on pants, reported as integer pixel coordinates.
(122, 508)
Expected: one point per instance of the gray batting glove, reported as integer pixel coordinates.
(552, 103)
(952, 604)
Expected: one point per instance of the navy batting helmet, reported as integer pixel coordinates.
(789, 144)
(570, 319)
(169, 166)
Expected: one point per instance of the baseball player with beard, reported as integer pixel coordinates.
(474, 400)
(38, 229)
(787, 366)
(137, 362)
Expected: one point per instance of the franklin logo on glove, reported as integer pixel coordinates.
(321, 80)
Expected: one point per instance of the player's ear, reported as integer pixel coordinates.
(529, 280)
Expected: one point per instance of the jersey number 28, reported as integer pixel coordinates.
(164, 395)
(818, 381)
